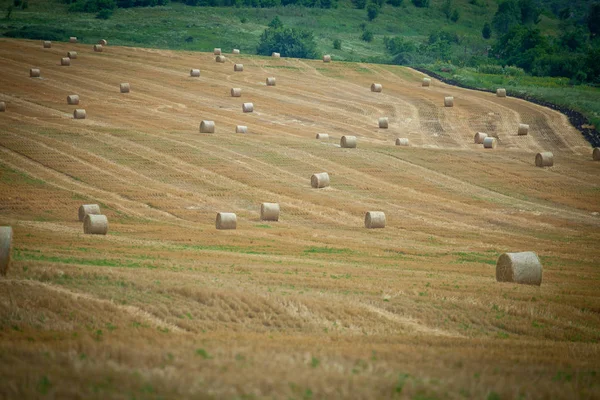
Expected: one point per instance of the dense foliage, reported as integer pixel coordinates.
(288, 42)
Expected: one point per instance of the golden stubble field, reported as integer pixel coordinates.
(312, 306)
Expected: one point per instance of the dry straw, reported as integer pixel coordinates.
(489, 142)
(402, 142)
(34, 72)
(322, 136)
(271, 81)
(125, 87)
(217, 51)
(241, 129)
(73, 99)
(248, 107)
(501, 92)
(6, 235)
(86, 209)
(65, 61)
(522, 267)
(236, 51)
(220, 59)
(47, 44)
(326, 58)
(226, 221)
(95, 224)
(98, 48)
(276, 55)
(2, 106)
(375, 219)
(383, 122)
(194, 73)
(269, 212)
(103, 42)
(448, 101)
(207, 126)
(544, 159)
(79, 113)
(523, 129)
(426, 82)
(73, 39)
(376, 87)
(236, 92)
(72, 54)
(319, 180)
(596, 154)
(479, 136)
(238, 67)
(348, 142)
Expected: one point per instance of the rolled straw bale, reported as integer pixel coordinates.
(86, 209)
(226, 220)
(326, 58)
(276, 55)
(271, 81)
(72, 54)
(73, 39)
(98, 48)
(402, 142)
(194, 73)
(79, 113)
(207, 126)
(73, 99)
(217, 51)
(489, 142)
(124, 87)
(34, 72)
(544, 159)
(236, 92)
(596, 154)
(65, 61)
(6, 235)
(2, 106)
(376, 87)
(383, 122)
(241, 129)
(479, 136)
(220, 59)
(322, 136)
(524, 267)
(235, 51)
(375, 219)
(248, 107)
(523, 129)
(319, 180)
(103, 42)
(47, 44)
(426, 82)
(448, 101)
(95, 224)
(348, 142)
(238, 67)
(269, 212)
(501, 92)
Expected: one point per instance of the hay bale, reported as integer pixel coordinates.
(374, 219)
(220, 59)
(426, 82)
(34, 73)
(235, 51)
(236, 92)
(544, 159)
(523, 129)
(479, 136)
(276, 55)
(402, 142)
(524, 267)
(322, 136)
(98, 48)
(73, 99)
(241, 129)
(226, 221)
(348, 142)
(319, 180)
(47, 44)
(448, 101)
(79, 113)
(73, 39)
(501, 92)
(269, 212)
(65, 61)
(95, 224)
(85, 209)
(596, 154)
(490, 142)
(207, 126)
(2, 106)
(248, 107)
(383, 122)
(271, 81)
(238, 67)
(326, 58)
(6, 235)
(72, 54)
(103, 42)
(376, 87)
(195, 73)
(217, 51)
(124, 87)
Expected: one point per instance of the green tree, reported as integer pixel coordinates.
(507, 16)
(521, 46)
(288, 42)
(276, 23)
(486, 32)
(447, 8)
(372, 11)
(455, 15)
(593, 19)
(367, 36)
(421, 3)
(395, 3)
(337, 44)
(360, 4)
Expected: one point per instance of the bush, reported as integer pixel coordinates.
(288, 42)
(93, 6)
(337, 44)
(367, 36)
(360, 4)
(486, 32)
(455, 15)
(104, 14)
(491, 69)
(395, 3)
(510, 70)
(421, 3)
(372, 11)
(38, 32)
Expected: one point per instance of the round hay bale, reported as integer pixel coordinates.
(596, 154)
(226, 221)
(217, 51)
(6, 235)
(374, 219)
(376, 87)
(479, 136)
(523, 129)
(235, 51)
(544, 159)
(207, 126)
(276, 55)
(426, 82)
(34, 73)
(238, 67)
(95, 224)
(269, 212)
(220, 59)
(72, 54)
(73, 39)
(383, 122)
(47, 44)
(103, 42)
(65, 61)
(236, 92)
(448, 101)
(271, 81)
(124, 87)
(322, 136)
(319, 180)
(92, 209)
(402, 142)
(501, 92)
(98, 48)
(326, 58)
(348, 142)
(241, 129)
(195, 73)
(524, 267)
(79, 113)
(73, 99)
(248, 107)
(2, 106)
(490, 142)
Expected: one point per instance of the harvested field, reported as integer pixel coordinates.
(311, 306)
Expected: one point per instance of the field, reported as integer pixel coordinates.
(311, 306)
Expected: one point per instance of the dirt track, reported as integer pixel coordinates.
(420, 294)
